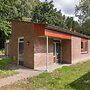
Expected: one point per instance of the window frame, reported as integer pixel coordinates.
(84, 46)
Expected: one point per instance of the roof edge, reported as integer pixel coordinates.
(59, 29)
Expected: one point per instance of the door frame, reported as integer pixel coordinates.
(18, 46)
(58, 41)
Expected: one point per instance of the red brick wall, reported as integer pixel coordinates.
(77, 56)
(66, 51)
(23, 29)
(40, 52)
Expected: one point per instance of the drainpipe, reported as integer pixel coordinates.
(46, 52)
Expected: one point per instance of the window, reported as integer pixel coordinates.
(22, 40)
(81, 45)
(84, 46)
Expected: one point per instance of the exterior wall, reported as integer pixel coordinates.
(66, 51)
(39, 29)
(77, 56)
(40, 52)
(25, 30)
(35, 52)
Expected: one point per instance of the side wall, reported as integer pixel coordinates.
(77, 56)
(40, 52)
(66, 51)
(21, 29)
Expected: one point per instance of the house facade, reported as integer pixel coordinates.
(34, 45)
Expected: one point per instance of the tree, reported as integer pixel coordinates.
(83, 12)
(14, 10)
(46, 13)
(86, 27)
(69, 22)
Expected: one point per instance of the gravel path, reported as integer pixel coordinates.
(24, 73)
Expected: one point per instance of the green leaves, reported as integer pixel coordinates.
(83, 9)
(13, 10)
(84, 16)
(46, 13)
(5, 27)
(16, 9)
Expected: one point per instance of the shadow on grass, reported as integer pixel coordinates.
(4, 63)
(83, 83)
(10, 64)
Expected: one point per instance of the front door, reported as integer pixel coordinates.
(21, 51)
(57, 52)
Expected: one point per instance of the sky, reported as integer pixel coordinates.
(67, 7)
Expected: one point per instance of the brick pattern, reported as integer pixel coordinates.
(66, 51)
(23, 30)
(77, 56)
(40, 52)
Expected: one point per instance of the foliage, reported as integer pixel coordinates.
(16, 9)
(5, 27)
(78, 27)
(13, 10)
(86, 27)
(2, 51)
(69, 23)
(4, 68)
(83, 12)
(45, 12)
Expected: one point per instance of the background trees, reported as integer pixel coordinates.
(46, 13)
(83, 12)
(13, 10)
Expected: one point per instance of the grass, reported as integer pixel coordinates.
(2, 51)
(75, 77)
(4, 68)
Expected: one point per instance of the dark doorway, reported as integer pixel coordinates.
(58, 58)
(21, 51)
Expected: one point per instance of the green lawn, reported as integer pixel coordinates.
(75, 77)
(4, 68)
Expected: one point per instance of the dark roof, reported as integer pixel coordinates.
(59, 29)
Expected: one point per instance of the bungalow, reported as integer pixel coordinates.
(34, 45)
